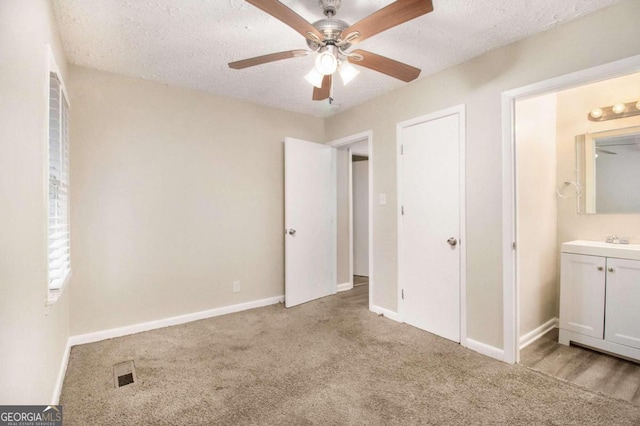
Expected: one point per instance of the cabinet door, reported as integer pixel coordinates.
(623, 302)
(582, 291)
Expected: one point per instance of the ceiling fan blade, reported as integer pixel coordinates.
(259, 60)
(390, 16)
(286, 15)
(386, 66)
(325, 91)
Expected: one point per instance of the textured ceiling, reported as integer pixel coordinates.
(189, 42)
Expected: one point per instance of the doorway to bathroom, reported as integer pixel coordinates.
(575, 169)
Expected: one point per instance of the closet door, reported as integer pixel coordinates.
(430, 246)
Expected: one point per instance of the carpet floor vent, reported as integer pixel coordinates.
(124, 374)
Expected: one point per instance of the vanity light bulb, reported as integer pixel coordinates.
(638, 106)
(618, 108)
(596, 112)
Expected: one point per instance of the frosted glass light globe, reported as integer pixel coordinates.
(326, 63)
(596, 113)
(618, 108)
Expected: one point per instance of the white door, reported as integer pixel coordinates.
(582, 294)
(360, 197)
(310, 221)
(430, 224)
(622, 324)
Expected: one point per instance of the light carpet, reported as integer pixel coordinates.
(330, 361)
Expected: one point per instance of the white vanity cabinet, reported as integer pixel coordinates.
(582, 294)
(622, 324)
(600, 296)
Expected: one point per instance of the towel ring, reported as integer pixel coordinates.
(564, 185)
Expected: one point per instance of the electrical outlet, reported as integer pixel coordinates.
(236, 286)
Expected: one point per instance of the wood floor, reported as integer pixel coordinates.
(594, 370)
(360, 280)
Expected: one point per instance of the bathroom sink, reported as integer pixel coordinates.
(598, 248)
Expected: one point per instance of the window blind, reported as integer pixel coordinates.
(58, 237)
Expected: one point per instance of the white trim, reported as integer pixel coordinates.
(538, 332)
(368, 135)
(167, 322)
(350, 202)
(615, 349)
(463, 224)
(345, 286)
(510, 291)
(57, 390)
(460, 111)
(386, 313)
(348, 140)
(484, 349)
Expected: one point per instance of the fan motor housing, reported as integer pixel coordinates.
(331, 29)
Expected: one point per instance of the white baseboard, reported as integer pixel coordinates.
(344, 287)
(57, 390)
(167, 322)
(386, 313)
(535, 334)
(484, 349)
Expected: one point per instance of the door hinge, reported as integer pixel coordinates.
(403, 294)
(402, 210)
(514, 245)
(401, 149)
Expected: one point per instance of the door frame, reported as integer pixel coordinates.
(460, 111)
(348, 140)
(511, 314)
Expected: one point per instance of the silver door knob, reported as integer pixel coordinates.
(292, 231)
(452, 241)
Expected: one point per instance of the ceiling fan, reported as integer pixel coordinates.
(332, 38)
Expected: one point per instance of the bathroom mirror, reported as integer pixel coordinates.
(608, 171)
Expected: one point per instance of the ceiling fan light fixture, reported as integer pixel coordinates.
(326, 62)
(347, 72)
(315, 78)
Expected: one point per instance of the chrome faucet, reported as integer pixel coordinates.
(614, 239)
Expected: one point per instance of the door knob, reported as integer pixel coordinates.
(452, 241)
(610, 269)
(600, 268)
(292, 231)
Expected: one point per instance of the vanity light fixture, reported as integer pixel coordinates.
(619, 110)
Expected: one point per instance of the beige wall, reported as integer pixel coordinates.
(175, 195)
(596, 39)
(32, 337)
(536, 211)
(573, 106)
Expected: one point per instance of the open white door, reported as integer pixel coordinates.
(310, 221)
